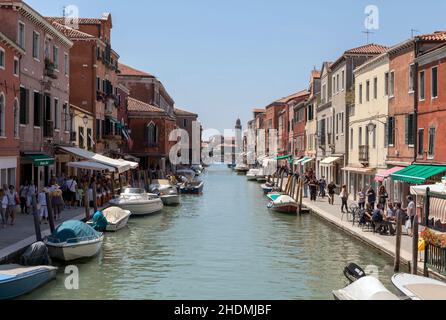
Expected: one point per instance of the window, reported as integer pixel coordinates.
(66, 117)
(337, 83)
(342, 123)
(24, 113)
(375, 88)
(21, 38)
(16, 68)
(431, 150)
(351, 138)
(152, 134)
(392, 84)
(37, 109)
(66, 64)
(184, 123)
(337, 123)
(56, 57)
(360, 136)
(434, 82)
(343, 80)
(16, 118)
(360, 93)
(324, 93)
(367, 91)
(386, 83)
(56, 114)
(2, 114)
(411, 78)
(409, 124)
(391, 131)
(422, 85)
(36, 45)
(88, 138)
(420, 142)
(374, 138)
(334, 85)
(98, 129)
(386, 134)
(2, 58)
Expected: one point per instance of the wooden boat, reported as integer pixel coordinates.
(366, 288)
(282, 203)
(74, 240)
(17, 280)
(117, 218)
(419, 288)
(138, 202)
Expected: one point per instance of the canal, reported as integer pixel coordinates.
(224, 244)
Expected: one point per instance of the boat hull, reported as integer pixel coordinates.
(192, 189)
(26, 283)
(171, 200)
(251, 178)
(75, 251)
(113, 227)
(284, 208)
(143, 208)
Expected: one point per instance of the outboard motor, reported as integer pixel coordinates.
(35, 255)
(353, 272)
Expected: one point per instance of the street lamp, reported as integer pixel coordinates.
(85, 120)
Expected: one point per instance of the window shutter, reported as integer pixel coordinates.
(406, 123)
(386, 134)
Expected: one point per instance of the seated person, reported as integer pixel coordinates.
(391, 213)
(381, 225)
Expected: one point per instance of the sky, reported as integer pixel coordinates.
(221, 59)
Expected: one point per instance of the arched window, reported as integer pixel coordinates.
(152, 136)
(2, 115)
(16, 118)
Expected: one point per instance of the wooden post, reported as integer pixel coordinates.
(427, 208)
(120, 183)
(36, 218)
(281, 181)
(415, 246)
(301, 195)
(398, 241)
(293, 186)
(86, 202)
(50, 212)
(95, 194)
(113, 185)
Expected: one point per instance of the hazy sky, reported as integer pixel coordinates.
(222, 58)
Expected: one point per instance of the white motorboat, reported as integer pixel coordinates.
(74, 240)
(419, 288)
(241, 168)
(167, 192)
(252, 174)
(117, 218)
(17, 280)
(366, 288)
(282, 203)
(138, 202)
(261, 177)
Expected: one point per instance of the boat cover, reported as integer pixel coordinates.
(99, 222)
(73, 231)
(36, 255)
(114, 214)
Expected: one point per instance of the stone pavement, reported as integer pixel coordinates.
(13, 239)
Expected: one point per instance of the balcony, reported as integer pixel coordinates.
(48, 129)
(50, 69)
(364, 155)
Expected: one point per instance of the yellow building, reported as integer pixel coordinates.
(367, 125)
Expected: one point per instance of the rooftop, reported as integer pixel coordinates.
(182, 112)
(139, 106)
(130, 71)
(371, 48)
(296, 95)
(70, 32)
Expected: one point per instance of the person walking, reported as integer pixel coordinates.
(331, 192)
(411, 213)
(13, 201)
(57, 202)
(371, 197)
(32, 190)
(3, 206)
(322, 187)
(344, 198)
(23, 192)
(71, 192)
(361, 199)
(313, 189)
(382, 197)
(43, 208)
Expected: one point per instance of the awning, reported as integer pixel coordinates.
(437, 205)
(418, 174)
(90, 165)
(283, 157)
(119, 165)
(133, 165)
(387, 173)
(308, 161)
(299, 161)
(360, 170)
(40, 160)
(330, 160)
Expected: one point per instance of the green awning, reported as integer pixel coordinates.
(40, 160)
(418, 174)
(283, 157)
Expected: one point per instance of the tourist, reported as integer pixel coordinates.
(306, 184)
(371, 197)
(381, 224)
(23, 193)
(43, 208)
(331, 192)
(313, 189)
(411, 213)
(322, 186)
(4, 206)
(57, 202)
(391, 212)
(383, 196)
(32, 190)
(361, 200)
(13, 201)
(71, 192)
(344, 198)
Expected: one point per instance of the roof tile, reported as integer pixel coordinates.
(130, 71)
(139, 106)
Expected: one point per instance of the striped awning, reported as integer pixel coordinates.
(437, 209)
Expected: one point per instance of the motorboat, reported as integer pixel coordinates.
(74, 240)
(365, 288)
(138, 202)
(282, 203)
(419, 288)
(17, 280)
(252, 174)
(241, 168)
(116, 218)
(261, 177)
(192, 187)
(167, 192)
(198, 168)
(268, 187)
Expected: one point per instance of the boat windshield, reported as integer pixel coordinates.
(134, 191)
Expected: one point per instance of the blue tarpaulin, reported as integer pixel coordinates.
(73, 231)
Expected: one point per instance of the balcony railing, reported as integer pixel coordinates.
(48, 129)
(364, 154)
(50, 69)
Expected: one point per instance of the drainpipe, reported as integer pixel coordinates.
(415, 97)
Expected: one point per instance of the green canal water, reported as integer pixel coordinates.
(224, 244)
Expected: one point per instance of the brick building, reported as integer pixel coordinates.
(10, 55)
(185, 120)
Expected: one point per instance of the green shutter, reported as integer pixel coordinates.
(406, 125)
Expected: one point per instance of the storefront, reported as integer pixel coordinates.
(330, 169)
(8, 171)
(383, 177)
(37, 167)
(359, 179)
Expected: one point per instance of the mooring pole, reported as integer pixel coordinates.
(95, 196)
(398, 241)
(415, 246)
(86, 202)
(49, 207)
(427, 209)
(36, 218)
